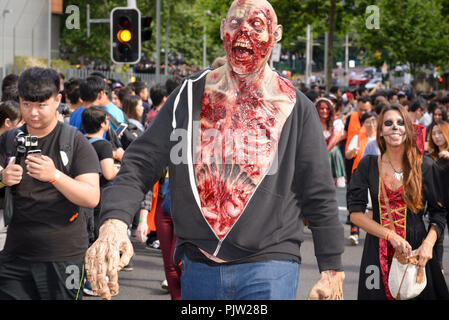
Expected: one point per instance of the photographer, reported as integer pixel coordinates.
(47, 239)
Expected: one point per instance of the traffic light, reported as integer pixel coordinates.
(146, 28)
(125, 35)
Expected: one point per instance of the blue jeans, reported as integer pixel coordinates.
(267, 280)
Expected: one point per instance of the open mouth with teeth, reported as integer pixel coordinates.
(243, 50)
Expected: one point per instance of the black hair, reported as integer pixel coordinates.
(379, 107)
(157, 94)
(172, 83)
(312, 95)
(38, 84)
(91, 87)
(368, 115)
(10, 90)
(362, 89)
(9, 110)
(364, 99)
(10, 79)
(139, 86)
(333, 89)
(415, 106)
(72, 89)
(92, 118)
(98, 74)
(11, 93)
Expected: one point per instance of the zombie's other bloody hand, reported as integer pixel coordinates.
(329, 287)
(110, 253)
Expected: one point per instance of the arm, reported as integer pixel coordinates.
(83, 190)
(352, 148)
(433, 187)
(317, 198)
(108, 169)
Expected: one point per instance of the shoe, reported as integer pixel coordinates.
(354, 239)
(129, 267)
(341, 183)
(154, 245)
(88, 289)
(164, 285)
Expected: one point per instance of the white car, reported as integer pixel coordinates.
(373, 83)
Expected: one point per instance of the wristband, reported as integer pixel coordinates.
(57, 176)
(2, 184)
(387, 236)
(141, 220)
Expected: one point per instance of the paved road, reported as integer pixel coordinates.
(143, 283)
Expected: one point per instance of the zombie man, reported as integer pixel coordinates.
(247, 163)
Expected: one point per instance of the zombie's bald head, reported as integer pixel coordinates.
(249, 33)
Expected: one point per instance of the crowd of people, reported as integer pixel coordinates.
(85, 165)
(98, 108)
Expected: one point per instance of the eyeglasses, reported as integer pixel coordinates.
(389, 123)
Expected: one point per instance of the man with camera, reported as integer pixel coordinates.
(47, 237)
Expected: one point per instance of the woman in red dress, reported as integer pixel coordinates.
(409, 180)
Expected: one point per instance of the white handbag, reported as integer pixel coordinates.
(406, 279)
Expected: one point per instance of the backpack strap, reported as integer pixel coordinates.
(66, 145)
(93, 140)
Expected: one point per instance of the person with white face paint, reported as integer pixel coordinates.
(405, 181)
(255, 165)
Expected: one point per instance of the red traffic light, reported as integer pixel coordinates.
(440, 79)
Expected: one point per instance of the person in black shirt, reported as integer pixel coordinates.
(47, 239)
(95, 123)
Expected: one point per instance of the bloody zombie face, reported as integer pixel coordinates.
(249, 33)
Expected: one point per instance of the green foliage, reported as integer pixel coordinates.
(412, 31)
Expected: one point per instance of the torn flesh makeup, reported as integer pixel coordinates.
(236, 145)
(249, 45)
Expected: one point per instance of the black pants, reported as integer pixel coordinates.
(30, 280)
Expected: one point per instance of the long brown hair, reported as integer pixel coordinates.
(434, 149)
(411, 161)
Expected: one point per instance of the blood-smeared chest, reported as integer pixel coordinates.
(236, 145)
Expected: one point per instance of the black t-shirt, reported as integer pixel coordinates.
(45, 225)
(104, 151)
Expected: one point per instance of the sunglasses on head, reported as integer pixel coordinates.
(389, 123)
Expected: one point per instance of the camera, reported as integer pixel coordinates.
(25, 144)
(64, 109)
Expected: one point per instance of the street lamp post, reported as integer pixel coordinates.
(4, 13)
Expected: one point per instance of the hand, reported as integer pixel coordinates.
(400, 244)
(103, 257)
(425, 253)
(12, 174)
(118, 154)
(444, 154)
(142, 231)
(40, 167)
(329, 287)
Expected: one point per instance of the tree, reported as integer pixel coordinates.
(410, 31)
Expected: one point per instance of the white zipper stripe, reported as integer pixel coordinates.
(190, 152)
